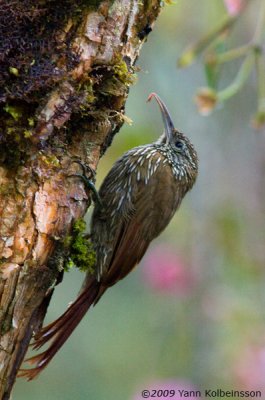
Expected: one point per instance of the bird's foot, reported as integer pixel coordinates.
(89, 184)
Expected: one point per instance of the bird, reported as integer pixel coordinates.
(139, 197)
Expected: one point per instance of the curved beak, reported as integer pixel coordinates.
(169, 126)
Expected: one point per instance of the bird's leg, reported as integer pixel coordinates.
(90, 185)
(88, 182)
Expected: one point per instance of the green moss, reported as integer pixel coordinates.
(90, 97)
(82, 254)
(118, 79)
(50, 159)
(31, 122)
(67, 241)
(85, 90)
(13, 71)
(121, 72)
(17, 123)
(27, 133)
(79, 226)
(10, 130)
(15, 112)
(13, 132)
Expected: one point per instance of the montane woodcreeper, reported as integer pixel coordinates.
(139, 196)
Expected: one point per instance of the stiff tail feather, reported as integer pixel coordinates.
(60, 330)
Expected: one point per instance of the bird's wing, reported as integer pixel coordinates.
(121, 237)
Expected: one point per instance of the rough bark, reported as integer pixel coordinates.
(39, 197)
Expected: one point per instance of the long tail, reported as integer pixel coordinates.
(60, 330)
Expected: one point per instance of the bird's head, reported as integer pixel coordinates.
(180, 146)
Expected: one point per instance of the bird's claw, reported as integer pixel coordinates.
(85, 168)
(90, 185)
(88, 182)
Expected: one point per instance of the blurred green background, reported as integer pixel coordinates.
(193, 312)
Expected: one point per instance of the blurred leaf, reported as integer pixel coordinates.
(240, 79)
(192, 52)
(212, 74)
(259, 118)
(232, 54)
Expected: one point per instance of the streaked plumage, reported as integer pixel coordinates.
(140, 195)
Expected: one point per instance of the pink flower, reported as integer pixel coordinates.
(234, 7)
(164, 271)
(162, 390)
(250, 368)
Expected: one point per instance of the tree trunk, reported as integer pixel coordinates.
(65, 71)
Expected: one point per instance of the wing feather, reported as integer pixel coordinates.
(145, 211)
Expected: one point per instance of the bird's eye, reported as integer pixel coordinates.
(179, 145)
